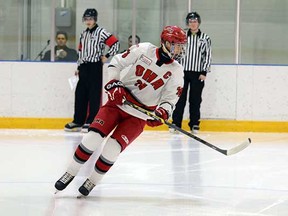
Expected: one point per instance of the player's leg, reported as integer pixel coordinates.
(125, 133)
(85, 149)
(104, 123)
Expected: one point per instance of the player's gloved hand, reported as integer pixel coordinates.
(160, 112)
(115, 91)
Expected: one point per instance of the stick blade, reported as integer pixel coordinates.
(239, 148)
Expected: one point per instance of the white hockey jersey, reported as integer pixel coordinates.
(149, 83)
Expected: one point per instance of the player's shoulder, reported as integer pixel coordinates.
(176, 63)
(143, 48)
(144, 45)
(178, 68)
(147, 44)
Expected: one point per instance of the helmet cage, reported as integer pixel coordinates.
(177, 51)
(177, 40)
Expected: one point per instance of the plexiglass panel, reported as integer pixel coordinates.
(263, 32)
(11, 19)
(28, 25)
(219, 22)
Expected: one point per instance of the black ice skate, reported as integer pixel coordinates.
(86, 188)
(63, 182)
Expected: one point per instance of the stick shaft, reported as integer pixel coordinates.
(175, 127)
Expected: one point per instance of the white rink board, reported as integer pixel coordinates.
(245, 92)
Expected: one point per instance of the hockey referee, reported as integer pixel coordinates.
(93, 41)
(196, 65)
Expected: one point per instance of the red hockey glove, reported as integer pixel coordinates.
(115, 91)
(160, 112)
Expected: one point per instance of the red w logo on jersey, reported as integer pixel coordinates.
(150, 77)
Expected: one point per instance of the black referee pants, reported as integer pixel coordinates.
(195, 86)
(88, 92)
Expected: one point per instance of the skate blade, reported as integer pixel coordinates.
(56, 191)
(80, 196)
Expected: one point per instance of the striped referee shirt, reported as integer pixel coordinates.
(198, 53)
(92, 45)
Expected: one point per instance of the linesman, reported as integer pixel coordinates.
(93, 41)
(196, 65)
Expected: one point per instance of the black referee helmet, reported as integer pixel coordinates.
(90, 12)
(192, 16)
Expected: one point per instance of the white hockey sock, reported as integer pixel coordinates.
(109, 155)
(90, 142)
(74, 167)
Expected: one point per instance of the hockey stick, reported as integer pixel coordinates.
(228, 152)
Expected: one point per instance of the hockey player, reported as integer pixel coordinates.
(154, 82)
